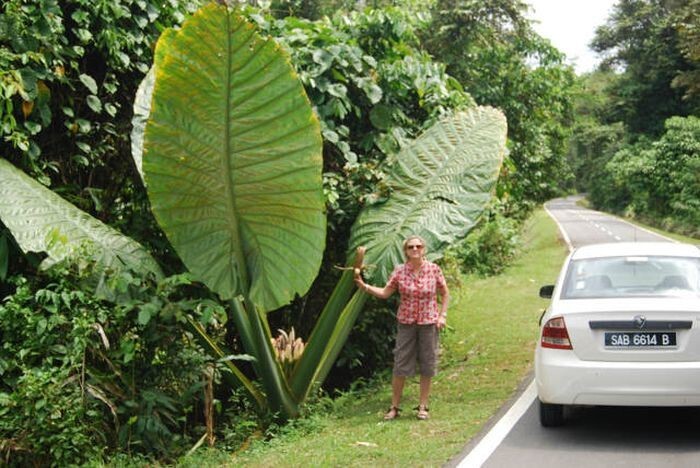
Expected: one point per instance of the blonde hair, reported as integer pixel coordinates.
(414, 237)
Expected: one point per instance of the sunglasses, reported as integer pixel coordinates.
(414, 247)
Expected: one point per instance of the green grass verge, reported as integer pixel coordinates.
(485, 357)
(672, 235)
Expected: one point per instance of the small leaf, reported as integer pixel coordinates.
(372, 90)
(111, 109)
(84, 147)
(33, 127)
(147, 311)
(84, 35)
(380, 116)
(144, 316)
(337, 90)
(330, 136)
(80, 160)
(41, 326)
(79, 16)
(124, 58)
(84, 125)
(94, 103)
(89, 83)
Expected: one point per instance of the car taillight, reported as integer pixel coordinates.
(554, 334)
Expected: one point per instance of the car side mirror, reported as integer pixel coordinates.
(547, 291)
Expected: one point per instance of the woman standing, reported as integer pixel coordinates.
(419, 321)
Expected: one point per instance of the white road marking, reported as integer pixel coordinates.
(493, 439)
(495, 436)
(561, 229)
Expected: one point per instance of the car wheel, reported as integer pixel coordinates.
(551, 415)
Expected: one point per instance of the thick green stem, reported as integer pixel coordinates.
(240, 318)
(327, 340)
(306, 368)
(258, 342)
(340, 335)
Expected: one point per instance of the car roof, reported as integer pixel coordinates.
(624, 249)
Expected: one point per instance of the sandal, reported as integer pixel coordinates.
(422, 413)
(393, 413)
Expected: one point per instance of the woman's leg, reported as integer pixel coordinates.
(397, 383)
(404, 364)
(425, 381)
(428, 358)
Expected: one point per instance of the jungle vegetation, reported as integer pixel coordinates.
(163, 260)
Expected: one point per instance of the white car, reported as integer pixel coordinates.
(622, 329)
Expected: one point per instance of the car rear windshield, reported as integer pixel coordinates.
(652, 276)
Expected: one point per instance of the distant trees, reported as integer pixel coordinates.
(650, 43)
(635, 144)
(492, 49)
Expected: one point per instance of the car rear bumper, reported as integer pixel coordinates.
(564, 379)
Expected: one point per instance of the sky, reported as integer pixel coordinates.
(570, 25)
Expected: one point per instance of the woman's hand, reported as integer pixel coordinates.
(442, 322)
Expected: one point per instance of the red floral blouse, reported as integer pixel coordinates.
(418, 293)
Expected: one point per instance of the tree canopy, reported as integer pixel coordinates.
(650, 44)
(492, 49)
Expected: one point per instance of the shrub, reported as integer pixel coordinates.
(80, 377)
(656, 180)
(490, 247)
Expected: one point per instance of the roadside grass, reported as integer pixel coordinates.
(485, 356)
(672, 235)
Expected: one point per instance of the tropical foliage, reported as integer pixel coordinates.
(68, 73)
(351, 132)
(79, 376)
(260, 242)
(372, 88)
(238, 181)
(658, 180)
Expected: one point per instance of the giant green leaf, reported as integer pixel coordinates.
(440, 184)
(142, 104)
(232, 160)
(42, 221)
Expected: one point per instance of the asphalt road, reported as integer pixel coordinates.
(584, 226)
(597, 437)
(604, 437)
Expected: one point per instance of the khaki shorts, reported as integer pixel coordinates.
(416, 344)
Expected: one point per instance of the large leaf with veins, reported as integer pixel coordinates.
(232, 160)
(440, 184)
(42, 221)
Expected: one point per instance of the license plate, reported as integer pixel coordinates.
(640, 339)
